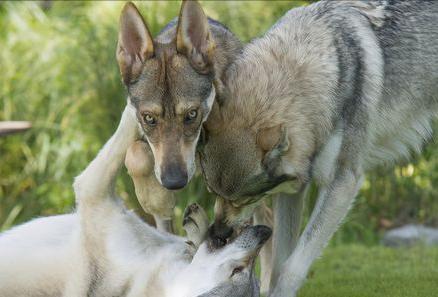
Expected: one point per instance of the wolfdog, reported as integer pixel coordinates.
(172, 81)
(331, 90)
(105, 250)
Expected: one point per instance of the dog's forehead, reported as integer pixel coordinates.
(185, 83)
(169, 80)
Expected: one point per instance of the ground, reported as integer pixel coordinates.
(361, 271)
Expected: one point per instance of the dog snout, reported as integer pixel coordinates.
(252, 238)
(219, 233)
(174, 178)
(262, 233)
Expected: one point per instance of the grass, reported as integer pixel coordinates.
(361, 271)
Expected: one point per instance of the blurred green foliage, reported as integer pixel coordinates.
(58, 70)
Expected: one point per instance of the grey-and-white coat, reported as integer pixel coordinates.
(330, 91)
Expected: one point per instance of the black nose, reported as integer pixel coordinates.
(219, 233)
(173, 179)
(262, 233)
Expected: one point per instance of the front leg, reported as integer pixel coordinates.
(333, 204)
(263, 216)
(288, 213)
(153, 197)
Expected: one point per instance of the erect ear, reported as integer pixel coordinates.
(194, 38)
(272, 138)
(135, 44)
(274, 142)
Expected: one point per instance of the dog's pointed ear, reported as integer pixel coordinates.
(274, 143)
(194, 38)
(135, 44)
(272, 138)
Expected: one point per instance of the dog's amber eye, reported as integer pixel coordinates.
(149, 119)
(191, 115)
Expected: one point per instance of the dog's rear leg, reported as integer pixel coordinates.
(96, 183)
(96, 202)
(153, 197)
(288, 213)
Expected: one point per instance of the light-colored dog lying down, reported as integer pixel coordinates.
(105, 250)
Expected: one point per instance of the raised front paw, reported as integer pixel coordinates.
(195, 223)
(153, 198)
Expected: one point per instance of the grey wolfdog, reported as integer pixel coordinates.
(172, 81)
(105, 250)
(331, 90)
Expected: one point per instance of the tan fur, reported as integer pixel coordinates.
(305, 111)
(193, 37)
(152, 196)
(267, 138)
(131, 54)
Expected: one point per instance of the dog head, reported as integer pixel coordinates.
(241, 163)
(170, 81)
(227, 271)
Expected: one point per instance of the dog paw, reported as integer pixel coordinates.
(195, 222)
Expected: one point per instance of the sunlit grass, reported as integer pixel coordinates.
(358, 271)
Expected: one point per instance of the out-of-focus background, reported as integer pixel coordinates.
(58, 70)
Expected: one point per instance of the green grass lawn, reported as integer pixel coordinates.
(361, 271)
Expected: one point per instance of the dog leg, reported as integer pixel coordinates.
(288, 211)
(96, 203)
(153, 197)
(196, 224)
(96, 183)
(332, 206)
(164, 225)
(263, 216)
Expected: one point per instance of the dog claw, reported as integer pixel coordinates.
(195, 222)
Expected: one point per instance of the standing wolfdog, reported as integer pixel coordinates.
(331, 90)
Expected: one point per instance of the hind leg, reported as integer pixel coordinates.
(97, 205)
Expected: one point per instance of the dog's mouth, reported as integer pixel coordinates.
(221, 234)
(247, 236)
